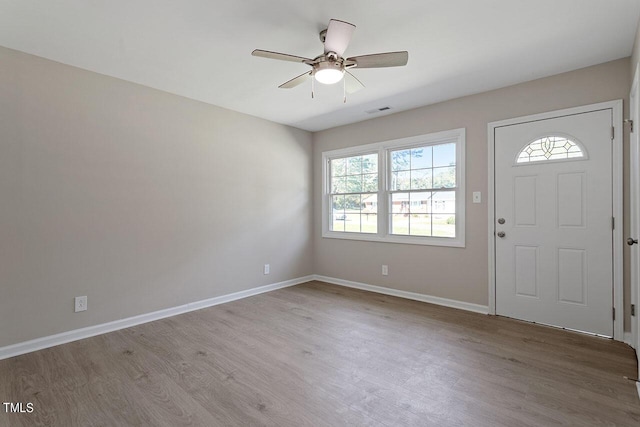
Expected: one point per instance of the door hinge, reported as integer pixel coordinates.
(613, 222)
(613, 132)
(613, 309)
(633, 309)
(630, 124)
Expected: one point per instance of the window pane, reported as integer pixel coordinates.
(348, 177)
(339, 185)
(370, 182)
(352, 203)
(353, 211)
(400, 202)
(400, 224)
(370, 163)
(352, 223)
(419, 202)
(444, 225)
(354, 183)
(337, 204)
(444, 201)
(421, 158)
(420, 225)
(338, 167)
(369, 222)
(421, 179)
(370, 203)
(400, 180)
(400, 160)
(354, 165)
(444, 177)
(337, 222)
(444, 155)
(337, 213)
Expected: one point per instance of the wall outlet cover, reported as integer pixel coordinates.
(80, 303)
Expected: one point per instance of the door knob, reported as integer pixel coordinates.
(502, 234)
(631, 241)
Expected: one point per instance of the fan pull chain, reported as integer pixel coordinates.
(313, 85)
(344, 90)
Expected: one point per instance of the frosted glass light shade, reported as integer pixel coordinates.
(329, 76)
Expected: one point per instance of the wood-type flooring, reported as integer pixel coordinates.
(323, 355)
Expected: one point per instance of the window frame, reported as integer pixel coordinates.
(384, 148)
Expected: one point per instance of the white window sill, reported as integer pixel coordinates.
(407, 240)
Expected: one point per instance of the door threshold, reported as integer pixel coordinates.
(593, 334)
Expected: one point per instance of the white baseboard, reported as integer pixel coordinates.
(476, 308)
(627, 339)
(90, 331)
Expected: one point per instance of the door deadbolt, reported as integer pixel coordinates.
(500, 220)
(501, 234)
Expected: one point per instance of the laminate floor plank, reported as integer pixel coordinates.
(323, 355)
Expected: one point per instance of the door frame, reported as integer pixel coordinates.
(617, 182)
(634, 204)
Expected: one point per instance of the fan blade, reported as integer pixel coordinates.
(352, 83)
(379, 60)
(280, 56)
(338, 36)
(296, 81)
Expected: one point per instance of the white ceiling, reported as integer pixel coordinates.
(201, 49)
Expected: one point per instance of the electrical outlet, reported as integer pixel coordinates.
(385, 270)
(266, 269)
(80, 303)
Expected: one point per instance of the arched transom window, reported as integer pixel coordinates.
(552, 147)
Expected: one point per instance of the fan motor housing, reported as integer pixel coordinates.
(323, 63)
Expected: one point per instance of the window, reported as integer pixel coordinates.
(423, 183)
(354, 190)
(552, 147)
(403, 191)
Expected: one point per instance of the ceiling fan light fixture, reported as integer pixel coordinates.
(332, 66)
(328, 73)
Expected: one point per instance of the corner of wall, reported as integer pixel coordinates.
(635, 53)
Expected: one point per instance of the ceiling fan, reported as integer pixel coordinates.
(331, 66)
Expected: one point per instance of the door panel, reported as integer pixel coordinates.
(554, 263)
(634, 202)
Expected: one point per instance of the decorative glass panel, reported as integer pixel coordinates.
(551, 147)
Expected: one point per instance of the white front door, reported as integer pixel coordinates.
(553, 212)
(634, 203)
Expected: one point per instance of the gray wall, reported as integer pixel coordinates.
(137, 198)
(455, 273)
(143, 200)
(635, 55)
